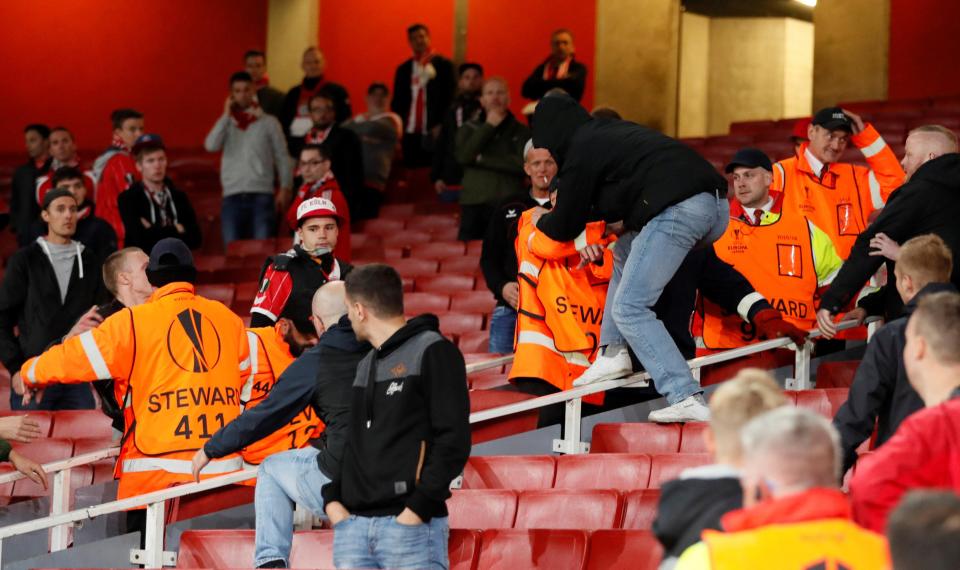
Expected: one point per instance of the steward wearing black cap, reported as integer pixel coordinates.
(152, 208)
(47, 286)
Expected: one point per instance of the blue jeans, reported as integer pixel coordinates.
(503, 323)
(644, 263)
(247, 216)
(284, 479)
(58, 397)
(382, 542)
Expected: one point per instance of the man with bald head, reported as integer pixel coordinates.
(321, 377)
(927, 203)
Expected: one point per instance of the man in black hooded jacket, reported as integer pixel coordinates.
(927, 203)
(666, 200)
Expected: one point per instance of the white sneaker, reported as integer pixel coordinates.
(607, 367)
(692, 409)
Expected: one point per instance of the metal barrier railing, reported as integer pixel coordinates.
(61, 520)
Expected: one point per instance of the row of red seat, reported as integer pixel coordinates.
(587, 509)
(69, 423)
(57, 449)
(495, 549)
(624, 471)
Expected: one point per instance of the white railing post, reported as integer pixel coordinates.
(801, 368)
(153, 555)
(571, 442)
(62, 496)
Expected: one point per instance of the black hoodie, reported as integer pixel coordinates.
(615, 169)
(929, 203)
(881, 394)
(409, 426)
(322, 377)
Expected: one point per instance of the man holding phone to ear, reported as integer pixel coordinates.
(253, 147)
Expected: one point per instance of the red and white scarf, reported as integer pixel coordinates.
(243, 118)
(311, 190)
(317, 135)
(118, 144)
(553, 71)
(262, 82)
(422, 72)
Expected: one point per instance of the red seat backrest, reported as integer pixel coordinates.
(472, 301)
(513, 549)
(45, 419)
(445, 283)
(668, 466)
(81, 423)
(504, 426)
(310, 549)
(466, 265)
(509, 472)
(476, 341)
(258, 247)
(836, 374)
(634, 549)
(691, 437)
(463, 548)
(417, 303)
(482, 508)
(622, 471)
(415, 267)
(459, 323)
(640, 508)
(216, 549)
(439, 250)
(569, 508)
(635, 437)
(383, 227)
(815, 400)
(836, 397)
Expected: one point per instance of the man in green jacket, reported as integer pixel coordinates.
(491, 152)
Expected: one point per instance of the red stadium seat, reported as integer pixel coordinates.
(463, 549)
(102, 470)
(81, 423)
(48, 451)
(474, 248)
(569, 508)
(467, 265)
(415, 267)
(217, 292)
(635, 437)
(513, 549)
(472, 301)
(836, 374)
(449, 233)
(45, 419)
(476, 341)
(691, 439)
(411, 239)
(429, 223)
(836, 397)
(482, 508)
(216, 549)
(603, 471)
(449, 284)
(488, 380)
(500, 427)
(209, 262)
(509, 472)
(459, 323)
(258, 247)
(389, 211)
(417, 303)
(384, 227)
(633, 549)
(310, 549)
(668, 467)
(640, 509)
(825, 402)
(439, 250)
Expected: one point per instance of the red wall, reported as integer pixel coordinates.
(923, 48)
(76, 61)
(365, 40)
(510, 38)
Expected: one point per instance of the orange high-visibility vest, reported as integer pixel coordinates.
(841, 201)
(777, 259)
(829, 544)
(179, 359)
(269, 357)
(561, 307)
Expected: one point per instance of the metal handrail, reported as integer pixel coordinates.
(154, 557)
(63, 464)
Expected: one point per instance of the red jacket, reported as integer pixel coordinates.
(329, 189)
(924, 453)
(115, 171)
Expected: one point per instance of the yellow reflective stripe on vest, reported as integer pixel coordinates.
(874, 147)
(32, 371)
(180, 466)
(530, 269)
(580, 241)
(540, 339)
(254, 363)
(96, 360)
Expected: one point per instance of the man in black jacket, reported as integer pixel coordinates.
(447, 172)
(409, 434)
(23, 203)
(343, 146)
(93, 232)
(560, 70)
(47, 286)
(928, 202)
(152, 208)
(668, 201)
(498, 258)
(881, 394)
(295, 114)
(422, 91)
(321, 377)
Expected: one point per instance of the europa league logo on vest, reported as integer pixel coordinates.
(193, 342)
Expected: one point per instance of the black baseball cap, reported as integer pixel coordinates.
(147, 142)
(833, 118)
(750, 158)
(52, 195)
(298, 309)
(170, 261)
